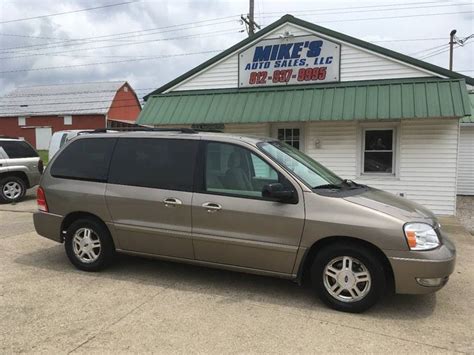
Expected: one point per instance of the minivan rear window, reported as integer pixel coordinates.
(18, 149)
(85, 159)
(157, 163)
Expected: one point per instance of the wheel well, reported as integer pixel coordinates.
(74, 216)
(18, 174)
(322, 243)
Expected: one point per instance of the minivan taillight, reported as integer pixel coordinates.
(40, 166)
(41, 200)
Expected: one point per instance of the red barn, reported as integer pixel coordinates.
(35, 113)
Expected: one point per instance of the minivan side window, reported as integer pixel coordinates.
(154, 162)
(234, 170)
(18, 149)
(85, 159)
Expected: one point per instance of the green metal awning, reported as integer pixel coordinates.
(469, 119)
(374, 100)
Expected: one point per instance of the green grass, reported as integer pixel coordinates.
(44, 156)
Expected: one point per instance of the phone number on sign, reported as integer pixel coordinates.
(284, 76)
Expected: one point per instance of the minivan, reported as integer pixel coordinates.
(246, 204)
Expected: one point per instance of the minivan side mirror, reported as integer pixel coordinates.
(276, 191)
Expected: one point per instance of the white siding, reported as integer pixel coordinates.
(223, 75)
(257, 129)
(356, 64)
(337, 146)
(426, 158)
(466, 161)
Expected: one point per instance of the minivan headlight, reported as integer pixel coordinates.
(420, 236)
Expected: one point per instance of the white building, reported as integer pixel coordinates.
(370, 114)
(466, 155)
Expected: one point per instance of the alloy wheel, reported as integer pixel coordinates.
(86, 245)
(347, 279)
(12, 190)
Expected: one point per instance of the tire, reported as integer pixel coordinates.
(12, 189)
(88, 245)
(348, 278)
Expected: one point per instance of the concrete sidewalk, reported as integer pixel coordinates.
(141, 305)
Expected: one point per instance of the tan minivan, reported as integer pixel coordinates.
(239, 203)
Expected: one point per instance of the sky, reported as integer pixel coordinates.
(150, 42)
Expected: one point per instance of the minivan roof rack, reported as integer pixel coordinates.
(148, 129)
(8, 137)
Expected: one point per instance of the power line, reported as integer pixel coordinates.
(357, 7)
(69, 12)
(62, 39)
(71, 92)
(70, 111)
(205, 34)
(22, 105)
(233, 16)
(410, 40)
(429, 49)
(442, 51)
(344, 10)
(318, 11)
(111, 62)
(392, 17)
(92, 40)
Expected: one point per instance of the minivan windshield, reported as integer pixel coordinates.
(308, 170)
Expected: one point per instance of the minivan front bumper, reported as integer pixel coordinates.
(423, 271)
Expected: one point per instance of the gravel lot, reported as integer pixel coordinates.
(142, 305)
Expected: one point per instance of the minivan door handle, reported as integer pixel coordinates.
(211, 207)
(172, 202)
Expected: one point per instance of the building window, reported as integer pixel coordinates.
(290, 136)
(125, 88)
(379, 151)
(21, 121)
(67, 120)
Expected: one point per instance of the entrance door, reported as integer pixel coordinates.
(43, 137)
(232, 223)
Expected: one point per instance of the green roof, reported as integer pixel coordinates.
(470, 119)
(370, 100)
(325, 31)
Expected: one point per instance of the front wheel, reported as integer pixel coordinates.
(348, 278)
(89, 245)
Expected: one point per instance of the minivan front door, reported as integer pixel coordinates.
(149, 195)
(232, 223)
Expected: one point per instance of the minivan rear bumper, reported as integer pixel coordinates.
(414, 270)
(48, 225)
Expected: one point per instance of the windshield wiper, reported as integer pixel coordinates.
(327, 186)
(344, 185)
(352, 184)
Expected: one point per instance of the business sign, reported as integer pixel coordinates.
(289, 61)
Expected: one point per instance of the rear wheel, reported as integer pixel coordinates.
(89, 245)
(348, 278)
(12, 189)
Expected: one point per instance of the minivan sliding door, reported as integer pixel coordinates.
(149, 195)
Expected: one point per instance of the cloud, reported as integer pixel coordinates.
(146, 15)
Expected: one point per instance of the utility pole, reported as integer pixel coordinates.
(251, 16)
(249, 20)
(451, 47)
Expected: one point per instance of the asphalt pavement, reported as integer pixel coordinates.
(142, 305)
